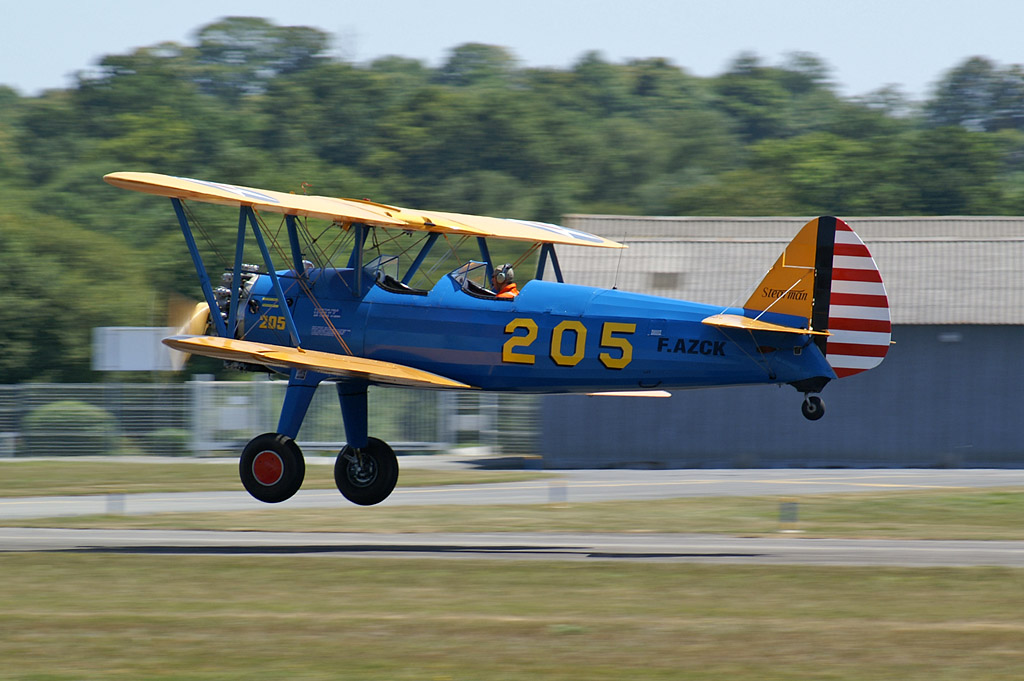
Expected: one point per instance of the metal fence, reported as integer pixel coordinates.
(215, 418)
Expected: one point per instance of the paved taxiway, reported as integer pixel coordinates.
(569, 487)
(782, 550)
(575, 486)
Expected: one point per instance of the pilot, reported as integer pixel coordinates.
(503, 281)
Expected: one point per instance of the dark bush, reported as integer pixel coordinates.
(69, 428)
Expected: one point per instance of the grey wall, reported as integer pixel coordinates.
(948, 396)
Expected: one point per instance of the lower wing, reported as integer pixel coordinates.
(283, 357)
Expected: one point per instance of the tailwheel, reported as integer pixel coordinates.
(366, 476)
(272, 467)
(813, 407)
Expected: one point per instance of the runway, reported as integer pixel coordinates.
(571, 486)
(670, 548)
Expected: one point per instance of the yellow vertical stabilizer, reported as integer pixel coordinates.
(788, 288)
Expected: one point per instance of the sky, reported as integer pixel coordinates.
(868, 44)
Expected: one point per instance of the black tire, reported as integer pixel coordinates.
(813, 408)
(366, 477)
(272, 468)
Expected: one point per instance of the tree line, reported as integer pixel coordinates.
(250, 102)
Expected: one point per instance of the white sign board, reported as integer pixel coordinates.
(131, 348)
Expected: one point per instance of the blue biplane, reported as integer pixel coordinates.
(820, 313)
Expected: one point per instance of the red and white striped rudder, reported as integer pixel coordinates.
(858, 316)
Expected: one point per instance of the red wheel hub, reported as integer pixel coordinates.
(268, 468)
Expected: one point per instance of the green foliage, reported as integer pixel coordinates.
(60, 281)
(238, 56)
(754, 98)
(264, 105)
(169, 442)
(67, 428)
(476, 64)
(979, 95)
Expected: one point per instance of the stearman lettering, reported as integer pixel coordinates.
(772, 293)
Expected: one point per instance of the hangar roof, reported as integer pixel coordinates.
(937, 270)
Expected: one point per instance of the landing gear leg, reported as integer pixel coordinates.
(813, 407)
(366, 470)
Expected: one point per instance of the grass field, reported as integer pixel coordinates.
(83, 615)
(102, 616)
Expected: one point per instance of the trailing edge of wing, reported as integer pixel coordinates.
(522, 230)
(735, 321)
(311, 360)
(353, 210)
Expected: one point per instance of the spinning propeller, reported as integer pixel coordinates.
(185, 317)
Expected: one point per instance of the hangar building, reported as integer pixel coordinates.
(950, 392)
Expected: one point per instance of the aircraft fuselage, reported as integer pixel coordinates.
(553, 337)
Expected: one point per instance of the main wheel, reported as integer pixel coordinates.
(366, 476)
(813, 408)
(272, 467)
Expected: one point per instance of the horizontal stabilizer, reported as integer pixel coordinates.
(735, 321)
(283, 357)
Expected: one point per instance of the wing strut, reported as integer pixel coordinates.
(355, 260)
(293, 240)
(282, 301)
(420, 257)
(236, 276)
(486, 255)
(546, 251)
(197, 261)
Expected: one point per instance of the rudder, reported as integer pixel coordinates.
(859, 320)
(827, 276)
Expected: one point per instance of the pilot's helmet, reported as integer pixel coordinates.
(504, 275)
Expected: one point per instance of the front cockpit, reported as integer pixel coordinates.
(385, 272)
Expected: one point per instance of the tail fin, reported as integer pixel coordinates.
(827, 276)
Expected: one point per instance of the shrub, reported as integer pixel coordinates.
(69, 428)
(169, 442)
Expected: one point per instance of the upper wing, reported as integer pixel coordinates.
(353, 210)
(521, 230)
(310, 360)
(321, 207)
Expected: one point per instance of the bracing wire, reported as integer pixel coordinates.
(618, 260)
(197, 224)
(453, 250)
(303, 283)
(522, 258)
